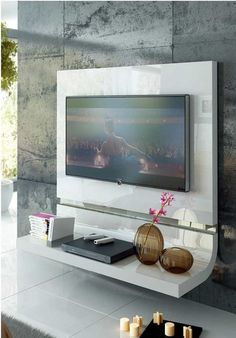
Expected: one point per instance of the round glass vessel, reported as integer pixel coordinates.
(148, 243)
(176, 260)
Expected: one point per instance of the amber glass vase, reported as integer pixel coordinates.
(148, 243)
(176, 260)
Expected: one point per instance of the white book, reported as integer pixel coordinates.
(38, 228)
(39, 221)
(44, 237)
(43, 225)
(38, 231)
(41, 215)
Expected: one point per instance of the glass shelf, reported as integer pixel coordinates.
(167, 221)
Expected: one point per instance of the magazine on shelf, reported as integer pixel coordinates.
(50, 227)
(39, 224)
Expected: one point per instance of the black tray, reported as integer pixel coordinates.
(154, 330)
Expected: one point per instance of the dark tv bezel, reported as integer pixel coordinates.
(120, 180)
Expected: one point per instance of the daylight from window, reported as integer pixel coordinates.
(8, 90)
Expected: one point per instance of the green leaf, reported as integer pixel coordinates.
(8, 65)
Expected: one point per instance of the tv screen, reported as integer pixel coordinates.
(139, 140)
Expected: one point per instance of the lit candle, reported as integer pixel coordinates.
(134, 330)
(124, 324)
(169, 329)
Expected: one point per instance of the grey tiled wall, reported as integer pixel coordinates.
(73, 34)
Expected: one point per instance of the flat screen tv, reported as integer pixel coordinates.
(139, 140)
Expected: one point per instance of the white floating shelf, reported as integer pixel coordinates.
(130, 270)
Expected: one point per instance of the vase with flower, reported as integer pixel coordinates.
(148, 241)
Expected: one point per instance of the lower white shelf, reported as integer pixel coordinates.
(130, 270)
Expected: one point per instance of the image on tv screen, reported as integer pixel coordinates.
(138, 140)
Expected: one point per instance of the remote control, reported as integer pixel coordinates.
(103, 241)
(92, 237)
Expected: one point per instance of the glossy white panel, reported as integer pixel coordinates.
(132, 271)
(197, 79)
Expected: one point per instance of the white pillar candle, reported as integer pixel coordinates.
(124, 324)
(169, 329)
(158, 318)
(134, 330)
(138, 320)
(190, 332)
(187, 332)
(154, 317)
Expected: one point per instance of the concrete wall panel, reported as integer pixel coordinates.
(203, 21)
(40, 27)
(37, 119)
(125, 25)
(33, 197)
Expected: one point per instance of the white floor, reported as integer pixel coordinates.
(69, 302)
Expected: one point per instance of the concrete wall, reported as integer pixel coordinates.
(72, 35)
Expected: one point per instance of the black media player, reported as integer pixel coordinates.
(108, 253)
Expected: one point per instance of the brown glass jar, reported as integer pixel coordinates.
(176, 260)
(148, 243)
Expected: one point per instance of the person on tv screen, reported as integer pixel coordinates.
(115, 149)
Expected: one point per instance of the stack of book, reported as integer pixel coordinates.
(39, 224)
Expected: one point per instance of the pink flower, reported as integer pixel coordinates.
(166, 199)
(152, 211)
(155, 220)
(162, 212)
(163, 198)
